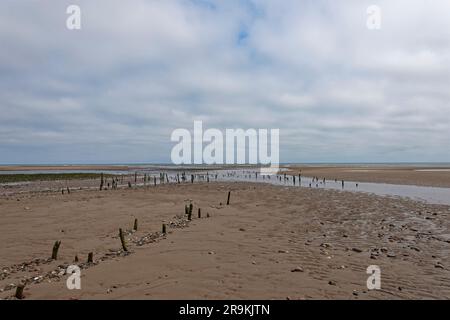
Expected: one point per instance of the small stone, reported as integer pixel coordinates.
(211, 252)
(297, 269)
(332, 283)
(439, 265)
(283, 251)
(242, 229)
(391, 255)
(357, 250)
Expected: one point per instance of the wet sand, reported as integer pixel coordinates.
(247, 250)
(407, 175)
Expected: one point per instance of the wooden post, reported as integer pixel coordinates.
(101, 181)
(186, 209)
(199, 213)
(164, 228)
(122, 240)
(19, 291)
(55, 250)
(228, 200)
(76, 259)
(191, 208)
(135, 227)
(90, 257)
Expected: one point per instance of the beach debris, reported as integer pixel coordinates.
(135, 226)
(19, 291)
(55, 250)
(297, 269)
(122, 240)
(90, 257)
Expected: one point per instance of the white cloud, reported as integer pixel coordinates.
(114, 91)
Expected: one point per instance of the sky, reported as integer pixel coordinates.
(115, 90)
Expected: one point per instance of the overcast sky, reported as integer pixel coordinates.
(114, 91)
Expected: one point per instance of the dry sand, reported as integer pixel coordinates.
(408, 175)
(245, 250)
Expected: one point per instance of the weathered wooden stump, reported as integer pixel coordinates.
(55, 250)
(228, 199)
(135, 227)
(122, 240)
(199, 213)
(101, 181)
(19, 291)
(90, 257)
(164, 228)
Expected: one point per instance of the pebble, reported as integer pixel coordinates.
(391, 255)
(357, 250)
(439, 265)
(332, 283)
(283, 251)
(297, 269)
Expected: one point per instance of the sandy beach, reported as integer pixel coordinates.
(438, 176)
(271, 242)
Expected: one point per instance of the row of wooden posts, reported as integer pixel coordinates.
(187, 210)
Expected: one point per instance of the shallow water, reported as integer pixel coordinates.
(431, 195)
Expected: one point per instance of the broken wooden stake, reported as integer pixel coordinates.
(228, 200)
(55, 250)
(199, 213)
(19, 291)
(122, 240)
(135, 227)
(164, 228)
(101, 182)
(90, 257)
